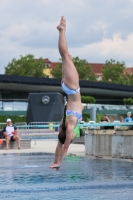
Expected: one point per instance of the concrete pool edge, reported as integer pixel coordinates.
(48, 146)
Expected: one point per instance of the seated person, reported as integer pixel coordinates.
(106, 119)
(10, 133)
(128, 118)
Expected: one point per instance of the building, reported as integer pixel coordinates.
(129, 70)
(49, 66)
(96, 67)
(14, 92)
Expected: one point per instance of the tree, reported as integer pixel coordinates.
(114, 72)
(130, 79)
(84, 70)
(57, 71)
(26, 66)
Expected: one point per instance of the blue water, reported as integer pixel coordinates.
(27, 177)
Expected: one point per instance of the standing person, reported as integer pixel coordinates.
(10, 133)
(73, 109)
(128, 118)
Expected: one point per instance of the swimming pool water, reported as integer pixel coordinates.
(27, 176)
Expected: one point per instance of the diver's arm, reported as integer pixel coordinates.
(57, 155)
(57, 152)
(65, 146)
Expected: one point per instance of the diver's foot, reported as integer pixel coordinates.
(62, 25)
(54, 166)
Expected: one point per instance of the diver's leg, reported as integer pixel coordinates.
(69, 73)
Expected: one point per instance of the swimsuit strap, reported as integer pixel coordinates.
(78, 89)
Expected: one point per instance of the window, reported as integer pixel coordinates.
(19, 106)
(47, 65)
(1, 107)
(7, 106)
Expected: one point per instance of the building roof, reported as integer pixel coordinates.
(129, 70)
(97, 67)
(35, 84)
(51, 64)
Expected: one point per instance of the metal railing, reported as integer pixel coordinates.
(49, 130)
(39, 130)
(21, 124)
(2, 125)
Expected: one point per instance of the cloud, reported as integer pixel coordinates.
(115, 48)
(96, 30)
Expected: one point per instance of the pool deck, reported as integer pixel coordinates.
(47, 146)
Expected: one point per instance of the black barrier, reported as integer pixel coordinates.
(46, 107)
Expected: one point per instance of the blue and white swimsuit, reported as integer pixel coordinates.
(69, 91)
(75, 114)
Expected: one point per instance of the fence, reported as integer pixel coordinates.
(39, 130)
(2, 125)
(49, 130)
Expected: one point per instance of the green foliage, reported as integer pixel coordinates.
(128, 101)
(57, 71)
(99, 117)
(114, 72)
(130, 79)
(84, 70)
(26, 66)
(13, 118)
(88, 99)
(86, 117)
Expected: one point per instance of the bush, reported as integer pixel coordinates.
(86, 117)
(128, 101)
(14, 119)
(99, 117)
(88, 99)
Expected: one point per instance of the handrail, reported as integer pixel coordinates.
(80, 125)
(108, 124)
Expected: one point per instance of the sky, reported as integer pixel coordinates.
(97, 30)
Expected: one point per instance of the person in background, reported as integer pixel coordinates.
(10, 133)
(128, 118)
(105, 119)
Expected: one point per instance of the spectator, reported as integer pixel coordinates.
(128, 118)
(10, 133)
(105, 119)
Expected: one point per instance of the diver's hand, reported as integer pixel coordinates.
(55, 166)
